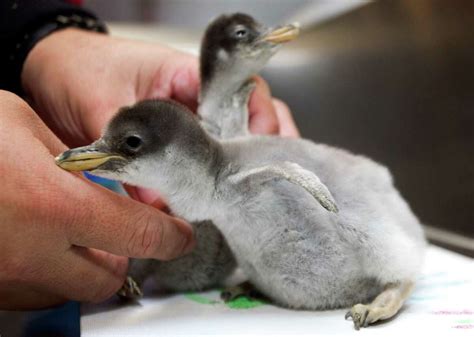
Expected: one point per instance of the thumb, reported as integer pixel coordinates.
(122, 226)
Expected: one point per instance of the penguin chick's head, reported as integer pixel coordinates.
(149, 138)
(238, 44)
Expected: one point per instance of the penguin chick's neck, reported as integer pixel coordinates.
(223, 100)
(220, 85)
(226, 115)
(186, 175)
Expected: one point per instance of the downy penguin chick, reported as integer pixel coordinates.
(234, 48)
(263, 193)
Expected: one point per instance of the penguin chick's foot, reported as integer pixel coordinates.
(384, 306)
(130, 289)
(242, 289)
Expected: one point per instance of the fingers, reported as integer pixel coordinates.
(85, 274)
(263, 118)
(185, 84)
(177, 79)
(122, 226)
(285, 120)
(80, 274)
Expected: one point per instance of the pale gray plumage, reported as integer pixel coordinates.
(292, 249)
(227, 64)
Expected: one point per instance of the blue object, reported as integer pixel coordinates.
(107, 183)
(63, 321)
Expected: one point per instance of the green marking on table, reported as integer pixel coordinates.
(244, 302)
(241, 302)
(200, 299)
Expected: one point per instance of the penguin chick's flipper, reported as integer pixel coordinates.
(295, 174)
(130, 289)
(384, 306)
(242, 289)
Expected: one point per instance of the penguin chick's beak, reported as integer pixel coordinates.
(86, 158)
(283, 34)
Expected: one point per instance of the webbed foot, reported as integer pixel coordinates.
(384, 306)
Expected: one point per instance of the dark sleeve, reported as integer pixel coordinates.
(19, 20)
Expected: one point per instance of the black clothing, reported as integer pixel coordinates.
(24, 22)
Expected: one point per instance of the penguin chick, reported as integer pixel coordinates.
(234, 48)
(296, 252)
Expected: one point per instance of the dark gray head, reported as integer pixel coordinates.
(238, 43)
(149, 136)
(150, 127)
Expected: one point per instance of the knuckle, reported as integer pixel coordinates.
(146, 236)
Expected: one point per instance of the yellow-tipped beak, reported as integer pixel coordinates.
(83, 159)
(283, 34)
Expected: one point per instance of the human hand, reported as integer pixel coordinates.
(58, 233)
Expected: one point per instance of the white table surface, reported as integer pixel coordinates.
(441, 305)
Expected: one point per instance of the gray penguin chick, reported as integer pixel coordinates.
(254, 189)
(234, 47)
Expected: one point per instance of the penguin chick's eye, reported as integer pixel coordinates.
(241, 33)
(133, 142)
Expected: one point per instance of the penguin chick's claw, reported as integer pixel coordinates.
(295, 174)
(242, 289)
(130, 289)
(359, 314)
(384, 306)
